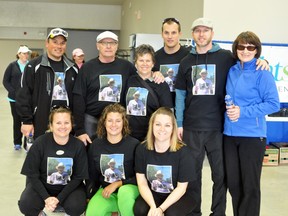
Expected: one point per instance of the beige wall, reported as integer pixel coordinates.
(140, 16)
(268, 19)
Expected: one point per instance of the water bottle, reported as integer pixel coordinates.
(229, 102)
(29, 141)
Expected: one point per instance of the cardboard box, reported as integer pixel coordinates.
(271, 156)
(283, 151)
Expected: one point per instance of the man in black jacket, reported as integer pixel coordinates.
(34, 99)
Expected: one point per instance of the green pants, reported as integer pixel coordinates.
(122, 202)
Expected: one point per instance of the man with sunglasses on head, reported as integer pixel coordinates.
(200, 116)
(172, 52)
(39, 81)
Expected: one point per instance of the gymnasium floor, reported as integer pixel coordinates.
(274, 179)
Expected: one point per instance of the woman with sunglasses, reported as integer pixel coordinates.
(254, 95)
(111, 165)
(55, 166)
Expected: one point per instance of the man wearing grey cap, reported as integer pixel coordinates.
(34, 99)
(92, 80)
(201, 125)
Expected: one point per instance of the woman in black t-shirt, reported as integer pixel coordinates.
(163, 169)
(55, 166)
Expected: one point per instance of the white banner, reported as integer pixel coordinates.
(277, 56)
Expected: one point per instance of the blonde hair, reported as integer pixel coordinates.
(175, 143)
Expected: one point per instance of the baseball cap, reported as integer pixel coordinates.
(202, 22)
(56, 32)
(23, 49)
(77, 52)
(106, 34)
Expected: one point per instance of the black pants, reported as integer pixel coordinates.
(181, 208)
(210, 142)
(243, 161)
(91, 126)
(31, 204)
(17, 135)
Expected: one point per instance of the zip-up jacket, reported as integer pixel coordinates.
(33, 100)
(256, 94)
(11, 79)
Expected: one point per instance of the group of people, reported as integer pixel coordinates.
(133, 146)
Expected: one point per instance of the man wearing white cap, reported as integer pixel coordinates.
(11, 81)
(88, 107)
(34, 99)
(200, 126)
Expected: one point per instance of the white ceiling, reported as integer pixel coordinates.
(103, 2)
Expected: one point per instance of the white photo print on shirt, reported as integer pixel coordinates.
(112, 167)
(110, 87)
(170, 71)
(136, 100)
(203, 79)
(160, 178)
(59, 170)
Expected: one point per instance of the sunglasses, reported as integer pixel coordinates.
(56, 107)
(56, 32)
(171, 19)
(249, 48)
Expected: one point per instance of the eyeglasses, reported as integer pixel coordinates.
(249, 48)
(112, 43)
(56, 107)
(171, 19)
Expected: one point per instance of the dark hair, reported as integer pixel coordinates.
(171, 20)
(59, 109)
(117, 108)
(145, 49)
(247, 37)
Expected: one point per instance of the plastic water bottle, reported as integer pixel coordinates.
(29, 141)
(229, 102)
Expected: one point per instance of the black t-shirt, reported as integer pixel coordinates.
(102, 152)
(170, 62)
(44, 158)
(139, 122)
(174, 167)
(91, 94)
(204, 112)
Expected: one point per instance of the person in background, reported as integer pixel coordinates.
(114, 149)
(78, 57)
(57, 147)
(200, 117)
(254, 96)
(172, 52)
(12, 83)
(34, 99)
(34, 54)
(163, 151)
(93, 77)
(158, 95)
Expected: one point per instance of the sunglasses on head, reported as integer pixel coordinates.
(249, 48)
(56, 107)
(171, 19)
